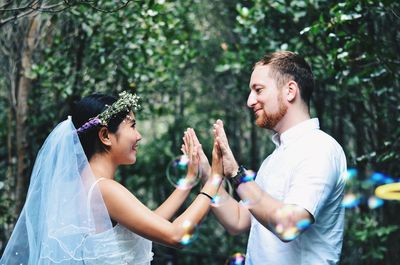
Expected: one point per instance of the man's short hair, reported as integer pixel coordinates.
(286, 66)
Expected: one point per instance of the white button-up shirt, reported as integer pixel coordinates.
(306, 169)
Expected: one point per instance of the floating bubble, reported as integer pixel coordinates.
(374, 202)
(287, 233)
(250, 175)
(249, 195)
(221, 198)
(190, 233)
(290, 233)
(287, 229)
(350, 200)
(388, 180)
(279, 228)
(350, 174)
(380, 178)
(177, 173)
(236, 259)
(303, 224)
(377, 177)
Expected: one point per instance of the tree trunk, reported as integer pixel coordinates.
(24, 85)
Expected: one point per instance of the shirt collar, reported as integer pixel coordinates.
(295, 132)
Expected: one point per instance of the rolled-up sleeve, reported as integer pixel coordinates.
(314, 179)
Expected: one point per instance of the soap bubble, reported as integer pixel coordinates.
(350, 201)
(190, 233)
(374, 202)
(249, 195)
(236, 259)
(177, 173)
(222, 197)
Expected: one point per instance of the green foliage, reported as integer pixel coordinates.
(367, 239)
(370, 233)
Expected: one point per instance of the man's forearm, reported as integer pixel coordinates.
(233, 216)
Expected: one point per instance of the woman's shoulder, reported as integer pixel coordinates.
(114, 193)
(110, 185)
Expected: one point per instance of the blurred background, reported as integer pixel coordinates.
(190, 61)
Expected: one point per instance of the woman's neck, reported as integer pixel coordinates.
(103, 166)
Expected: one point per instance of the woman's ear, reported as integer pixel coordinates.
(104, 136)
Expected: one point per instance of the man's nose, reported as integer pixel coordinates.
(251, 100)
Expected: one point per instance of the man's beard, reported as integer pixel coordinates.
(270, 120)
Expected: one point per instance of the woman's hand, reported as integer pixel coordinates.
(191, 151)
(205, 168)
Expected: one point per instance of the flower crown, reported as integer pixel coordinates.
(126, 102)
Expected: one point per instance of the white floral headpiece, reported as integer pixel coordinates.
(126, 102)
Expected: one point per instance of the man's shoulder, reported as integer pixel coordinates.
(318, 144)
(320, 139)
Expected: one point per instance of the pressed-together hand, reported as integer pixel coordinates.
(216, 167)
(191, 151)
(205, 168)
(228, 160)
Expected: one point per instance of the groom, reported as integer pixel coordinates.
(297, 218)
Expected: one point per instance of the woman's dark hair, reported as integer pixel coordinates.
(90, 107)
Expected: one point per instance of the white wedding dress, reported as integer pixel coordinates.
(118, 246)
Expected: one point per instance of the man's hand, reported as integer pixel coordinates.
(216, 167)
(228, 160)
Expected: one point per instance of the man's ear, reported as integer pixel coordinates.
(292, 91)
(104, 136)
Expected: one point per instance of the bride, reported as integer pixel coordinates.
(75, 211)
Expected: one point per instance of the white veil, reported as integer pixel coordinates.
(62, 209)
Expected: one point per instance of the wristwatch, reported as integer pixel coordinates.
(241, 177)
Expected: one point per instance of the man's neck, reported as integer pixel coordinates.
(290, 120)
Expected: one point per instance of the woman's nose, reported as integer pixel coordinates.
(138, 136)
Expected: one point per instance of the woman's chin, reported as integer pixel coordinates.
(132, 157)
(131, 161)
